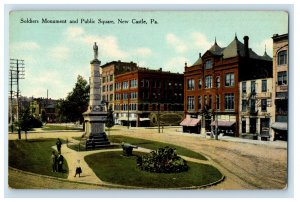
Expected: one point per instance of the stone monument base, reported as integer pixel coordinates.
(94, 130)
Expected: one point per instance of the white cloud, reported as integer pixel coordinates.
(200, 41)
(59, 52)
(176, 64)
(144, 52)
(179, 45)
(26, 46)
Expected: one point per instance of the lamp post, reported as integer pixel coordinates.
(128, 97)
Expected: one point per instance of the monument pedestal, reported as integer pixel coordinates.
(94, 130)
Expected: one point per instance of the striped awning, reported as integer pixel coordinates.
(279, 126)
(223, 123)
(189, 122)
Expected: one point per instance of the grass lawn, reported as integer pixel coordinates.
(114, 168)
(34, 156)
(59, 127)
(154, 145)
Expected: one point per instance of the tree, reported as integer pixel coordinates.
(27, 122)
(110, 119)
(76, 102)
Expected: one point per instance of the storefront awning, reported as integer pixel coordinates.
(279, 126)
(144, 119)
(223, 123)
(189, 122)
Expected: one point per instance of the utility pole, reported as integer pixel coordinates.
(17, 72)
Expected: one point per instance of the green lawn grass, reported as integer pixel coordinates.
(59, 127)
(112, 167)
(154, 145)
(34, 156)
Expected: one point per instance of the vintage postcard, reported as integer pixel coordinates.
(164, 100)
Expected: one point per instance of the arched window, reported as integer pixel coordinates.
(282, 57)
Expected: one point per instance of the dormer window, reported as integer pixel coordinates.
(208, 64)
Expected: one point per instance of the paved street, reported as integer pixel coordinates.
(247, 164)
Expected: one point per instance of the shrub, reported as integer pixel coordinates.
(163, 160)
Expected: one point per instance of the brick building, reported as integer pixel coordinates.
(108, 72)
(148, 97)
(280, 86)
(211, 92)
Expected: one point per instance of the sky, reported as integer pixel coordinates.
(55, 54)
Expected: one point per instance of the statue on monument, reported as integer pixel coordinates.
(95, 47)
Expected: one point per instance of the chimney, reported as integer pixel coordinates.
(246, 46)
(199, 55)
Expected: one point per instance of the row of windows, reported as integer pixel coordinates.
(107, 78)
(106, 88)
(264, 86)
(109, 98)
(252, 104)
(228, 102)
(229, 82)
(133, 95)
(158, 84)
(132, 107)
(125, 84)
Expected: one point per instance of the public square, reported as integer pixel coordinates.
(246, 164)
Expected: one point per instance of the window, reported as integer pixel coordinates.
(253, 89)
(282, 78)
(264, 86)
(263, 105)
(147, 83)
(133, 95)
(111, 77)
(282, 58)
(244, 88)
(210, 102)
(199, 103)
(118, 86)
(111, 97)
(125, 96)
(217, 102)
(125, 84)
(103, 88)
(252, 105)
(208, 64)
(229, 101)
(218, 82)
(244, 105)
(103, 79)
(142, 83)
(191, 84)
(111, 87)
(208, 82)
(190, 105)
(229, 79)
(133, 83)
(199, 83)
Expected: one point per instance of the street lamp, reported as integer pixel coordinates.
(128, 97)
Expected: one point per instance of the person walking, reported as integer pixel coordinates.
(58, 145)
(60, 162)
(54, 161)
(78, 169)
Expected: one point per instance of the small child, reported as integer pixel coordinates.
(78, 169)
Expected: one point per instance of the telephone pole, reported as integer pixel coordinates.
(17, 72)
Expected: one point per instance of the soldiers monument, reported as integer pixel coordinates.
(95, 116)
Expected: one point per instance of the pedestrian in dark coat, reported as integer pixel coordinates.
(58, 144)
(78, 169)
(60, 162)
